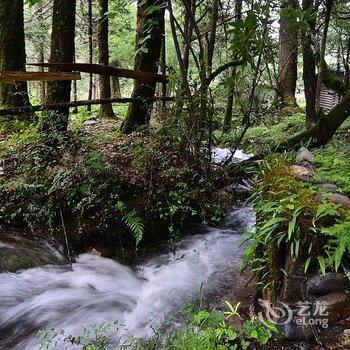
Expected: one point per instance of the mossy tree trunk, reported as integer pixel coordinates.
(106, 110)
(12, 52)
(288, 55)
(230, 97)
(323, 131)
(149, 38)
(62, 51)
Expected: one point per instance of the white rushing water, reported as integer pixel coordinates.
(221, 155)
(97, 290)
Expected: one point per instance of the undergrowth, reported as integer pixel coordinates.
(203, 330)
(109, 187)
(291, 223)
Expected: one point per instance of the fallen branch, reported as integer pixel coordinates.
(104, 70)
(59, 106)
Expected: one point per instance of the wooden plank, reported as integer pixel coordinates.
(59, 106)
(14, 77)
(104, 70)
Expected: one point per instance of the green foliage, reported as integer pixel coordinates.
(94, 338)
(86, 177)
(133, 221)
(272, 130)
(333, 163)
(212, 331)
(290, 221)
(338, 246)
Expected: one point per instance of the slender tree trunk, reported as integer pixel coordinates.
(288, 55)
(41, 54)
(230, 97)
(103, 53)
(12, 52)
(90, 34)
(309, 66)
(62, 51)
(322, 63)
(115, 83)
(149, 38)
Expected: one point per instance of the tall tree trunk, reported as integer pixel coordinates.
(12, 52)
(62, 51)
(115, 83)
(288, 55)
(106, 110)
(149, 38)
(309, 66)
(230, 97)
(322, 63)
(90, 34)
(41, 53)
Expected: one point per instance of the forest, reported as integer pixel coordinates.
(174, 174)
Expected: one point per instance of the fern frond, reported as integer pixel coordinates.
(135, 224)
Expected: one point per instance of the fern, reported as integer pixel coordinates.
(135, 224)
(339, 242)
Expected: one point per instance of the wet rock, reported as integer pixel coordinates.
(324, 181)
(304, 155)
(297, 329)
(330, 282)
(301, 173)
(320, 198)
(90, 122)
(337, 306)
(328, 187)
(94, 252)
(18, 252)
(340, 199)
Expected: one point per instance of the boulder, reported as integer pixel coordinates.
(328, 187)
(90, 122)
(305, 156)
(340, 199)
(337, 306)
(330, 282)
(301, 173)
(324, 181)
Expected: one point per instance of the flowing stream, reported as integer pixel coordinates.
(95, 290)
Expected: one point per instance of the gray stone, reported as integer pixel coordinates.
(324, 181)
(304, 155)
(90, 122)
(328, 187)
(330, 282)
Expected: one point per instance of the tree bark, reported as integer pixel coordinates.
(322, 62)
(324, 130)
(41, 53)
(12, 52)
(288, 55)
(230, 97)
(106, 110)
(62, 50)
(149, 38)
(90, 34)
(309, 66)
(115, 83)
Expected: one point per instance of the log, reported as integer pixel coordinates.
(58, 106)
(14, 77)
(104, 70)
